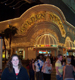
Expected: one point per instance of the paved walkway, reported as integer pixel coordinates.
(53, 75)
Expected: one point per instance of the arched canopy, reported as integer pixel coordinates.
(69, 43)
(46, 39)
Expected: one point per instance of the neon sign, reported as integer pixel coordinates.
(40, 17)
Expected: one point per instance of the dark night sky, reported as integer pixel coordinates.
(9, 13)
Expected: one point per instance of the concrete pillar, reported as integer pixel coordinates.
(31, 54)
(0, 53)
(23, 54)
(26, 53)
(6, 54)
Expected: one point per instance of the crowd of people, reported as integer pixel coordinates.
(64, 68)
(41, 68)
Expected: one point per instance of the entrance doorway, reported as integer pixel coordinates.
(47, 51)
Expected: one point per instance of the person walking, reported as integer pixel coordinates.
(68, 70)
(38, 66)
(51, 58)
(47, 69)
(31, 70)
(14, 70)
(59, 67)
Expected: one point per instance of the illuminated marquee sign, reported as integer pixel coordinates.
(71, 48)
(45, 45)
(43, 16)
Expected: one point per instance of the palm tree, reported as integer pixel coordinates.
(2, 34)
(10, 32)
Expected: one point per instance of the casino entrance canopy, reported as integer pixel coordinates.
(42, 26)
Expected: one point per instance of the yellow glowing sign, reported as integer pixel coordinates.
(43, 16)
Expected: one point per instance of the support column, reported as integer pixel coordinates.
(26, 53)
(31, 53)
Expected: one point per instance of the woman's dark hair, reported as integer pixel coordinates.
(9, 63)
(37, 57)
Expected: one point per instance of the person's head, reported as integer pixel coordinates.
(60, 57)
(48, 60)
(74, 58)
(40, 56)
(32, 60)
(50, 55)
(13, 62)
(37, 57)
(68, 60)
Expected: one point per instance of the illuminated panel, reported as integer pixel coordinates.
(44, 52)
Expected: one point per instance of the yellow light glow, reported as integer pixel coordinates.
(16, 24)
(7, 26)
(42, 45)
(3, 56)
(37, 45)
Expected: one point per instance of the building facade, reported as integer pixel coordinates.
(42, 29)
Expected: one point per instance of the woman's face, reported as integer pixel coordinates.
(47, 60)
(15, 61)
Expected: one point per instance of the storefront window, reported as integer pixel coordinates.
(21, 53)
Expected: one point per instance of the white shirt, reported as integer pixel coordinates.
(36, 64)
(47, 68)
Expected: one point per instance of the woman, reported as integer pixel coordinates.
(68, 70)
(14, 70)
(47, 69)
